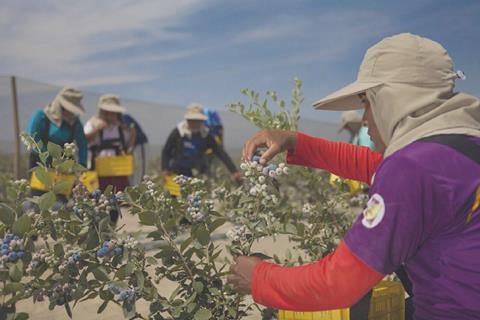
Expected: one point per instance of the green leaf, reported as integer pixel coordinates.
(102, 306)
(108, 190)
(61, 187)
(100, 274)
(15, 272)
(54, 150)
(216, 224)
(7, 215)
(58, 249)
(185, 244)
(47, 200)
(198, 286)
(260, 255)
(68, 310)
(22, 225)
(66, 166)
(128, 309)
(22, 316)
(191, 306)
(92, 240)
(203, 314)
(202, 235)
(151, 260)
(14, 287)
(42, 174)
(147, 218)
(140, 279)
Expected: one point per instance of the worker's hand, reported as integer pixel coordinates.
(241, 272)
(236, 176)
(276, 141)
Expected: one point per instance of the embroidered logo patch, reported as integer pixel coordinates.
(374, 212)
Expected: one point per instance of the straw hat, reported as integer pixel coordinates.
(111, 103)
(195, 112)
(71, 99)
(403, 58)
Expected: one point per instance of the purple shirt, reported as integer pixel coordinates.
(416, 217)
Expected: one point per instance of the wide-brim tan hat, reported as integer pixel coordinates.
(195, 112)
(71, 100)
(403, 58)
(346, 98)
(111, 103)
(350, 116)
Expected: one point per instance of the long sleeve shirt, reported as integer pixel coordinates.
(37, 128)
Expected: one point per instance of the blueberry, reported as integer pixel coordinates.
(60, 301)
(12, 256)
(113, 289)
(255, 158)
(117, 251)
(106, 243)
(20, 254)
(272, 167)
(4, 246)
(4, 252)
(76, 257)
(101, 252)
(123, 295)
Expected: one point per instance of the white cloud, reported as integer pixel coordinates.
(276, 28)
(56, 40)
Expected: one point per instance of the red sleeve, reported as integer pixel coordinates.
(343, 159)
(337, 281)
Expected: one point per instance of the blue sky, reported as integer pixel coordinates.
(175, 52)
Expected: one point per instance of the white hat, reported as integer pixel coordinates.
(70, 99)
(195, 112)
(351, 116)
(403, 58)
(111, 103)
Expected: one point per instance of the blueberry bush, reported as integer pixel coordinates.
(66, 250)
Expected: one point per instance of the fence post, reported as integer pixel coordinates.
(16, 128)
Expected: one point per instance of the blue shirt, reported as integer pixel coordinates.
(363, 139)
(58, 135)
(141, 136)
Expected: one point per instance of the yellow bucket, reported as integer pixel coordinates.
(172, 186)
(353, 185)
(90, 180)
(66, 189)
(387, 302)
(114, 166)
(340, 314)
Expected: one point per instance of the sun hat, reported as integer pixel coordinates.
(195, 112)
(403, 58)
(71, 99)
(349, 117)
(111, 103)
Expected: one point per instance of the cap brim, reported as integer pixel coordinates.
(195, 117)
(113, 108)
(346, 98)
(71, 107)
